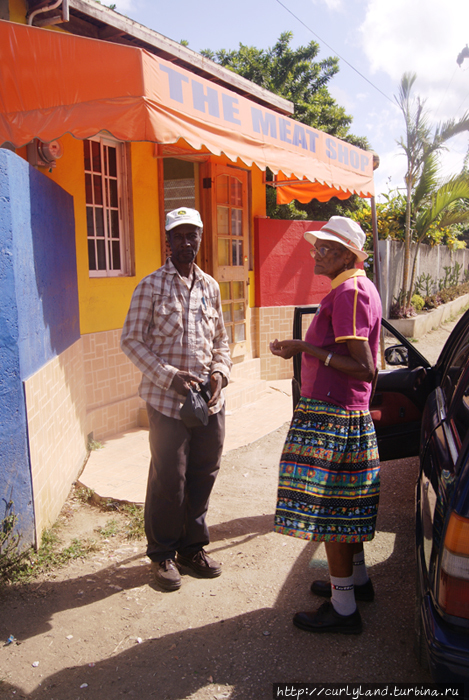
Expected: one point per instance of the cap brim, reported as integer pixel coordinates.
(182, 223)
(312, 236)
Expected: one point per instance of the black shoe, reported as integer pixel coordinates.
(200, 563)
(364, 592)
(166, 574)
(326, 619)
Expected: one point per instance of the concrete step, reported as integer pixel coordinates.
(242, 392)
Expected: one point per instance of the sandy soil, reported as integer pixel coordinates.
(99, 628)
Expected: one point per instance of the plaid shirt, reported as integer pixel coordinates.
(171, 327)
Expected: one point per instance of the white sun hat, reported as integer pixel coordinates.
(342, 230)
(183, 215)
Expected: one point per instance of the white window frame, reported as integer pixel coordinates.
(123, 208)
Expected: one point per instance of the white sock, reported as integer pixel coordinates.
(360, 574)
(343, 596)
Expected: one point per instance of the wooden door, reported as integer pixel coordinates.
(230, 242)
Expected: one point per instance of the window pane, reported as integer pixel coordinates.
(226, 308)
(99, 223)
(96, 155)
(89, 221)
(238, 290)
(112, 161)
(100, 246)
(236, 192)
(223, 251)
(222, 189)
(115, 255)
(236, 222)
(237, 252)
(91, 255)
(113, 193)
(88, 189)
(229, 332)
(114, 224)
(240, 333)
(98, 189)
(86, 151)
(238, 311)
(225, 290)
(223, 225)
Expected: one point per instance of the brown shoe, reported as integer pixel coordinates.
(200, 563)
(166, 574)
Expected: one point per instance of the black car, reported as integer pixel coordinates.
(420, 409)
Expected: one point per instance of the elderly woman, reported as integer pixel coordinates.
(329, 471)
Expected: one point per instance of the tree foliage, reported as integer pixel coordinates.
(431, 204)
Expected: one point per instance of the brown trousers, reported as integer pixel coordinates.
(183, 468)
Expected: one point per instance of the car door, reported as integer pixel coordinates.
(401, 394)
(402, 388)
(399, 398)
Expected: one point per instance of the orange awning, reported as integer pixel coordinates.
(52, 83)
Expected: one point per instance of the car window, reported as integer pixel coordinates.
(454, 369)
(460, 408)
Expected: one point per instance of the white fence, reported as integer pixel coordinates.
(430, 260)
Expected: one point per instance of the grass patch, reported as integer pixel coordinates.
(20, 567)
(84, 494)
(50, 555)
(131, 525)
(111, 529)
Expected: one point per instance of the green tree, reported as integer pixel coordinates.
(296, 75)
(429, 202)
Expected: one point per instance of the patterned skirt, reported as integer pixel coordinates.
(329, 475)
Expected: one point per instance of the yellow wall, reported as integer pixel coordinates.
(18, 11)
(258, 210)
(104, 300)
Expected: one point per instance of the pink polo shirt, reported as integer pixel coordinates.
(351, 311)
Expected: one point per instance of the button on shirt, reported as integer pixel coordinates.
(175, 324)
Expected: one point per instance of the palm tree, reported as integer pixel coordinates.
(426, 198)
(440, 207)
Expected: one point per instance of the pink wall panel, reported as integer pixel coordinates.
(284, 267)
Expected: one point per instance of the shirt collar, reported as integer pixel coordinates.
(348, 274)
(170, 268)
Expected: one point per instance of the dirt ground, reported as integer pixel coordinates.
(98, 628)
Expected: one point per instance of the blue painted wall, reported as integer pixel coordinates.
(39, 315)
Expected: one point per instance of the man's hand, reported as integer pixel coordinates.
(216, 385)
(182, 382)
(286, 348)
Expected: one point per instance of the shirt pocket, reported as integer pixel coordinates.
(167, 318)
(209, 318)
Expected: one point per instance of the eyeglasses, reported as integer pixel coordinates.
(321, 252)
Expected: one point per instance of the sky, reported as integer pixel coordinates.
(376, 41)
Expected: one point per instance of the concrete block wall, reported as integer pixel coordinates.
(40, 347)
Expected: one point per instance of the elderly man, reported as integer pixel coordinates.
(174, 333)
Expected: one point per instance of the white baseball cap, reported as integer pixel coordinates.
(183, 215)
(342, 230)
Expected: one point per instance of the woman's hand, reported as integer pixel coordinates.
(286, 348)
